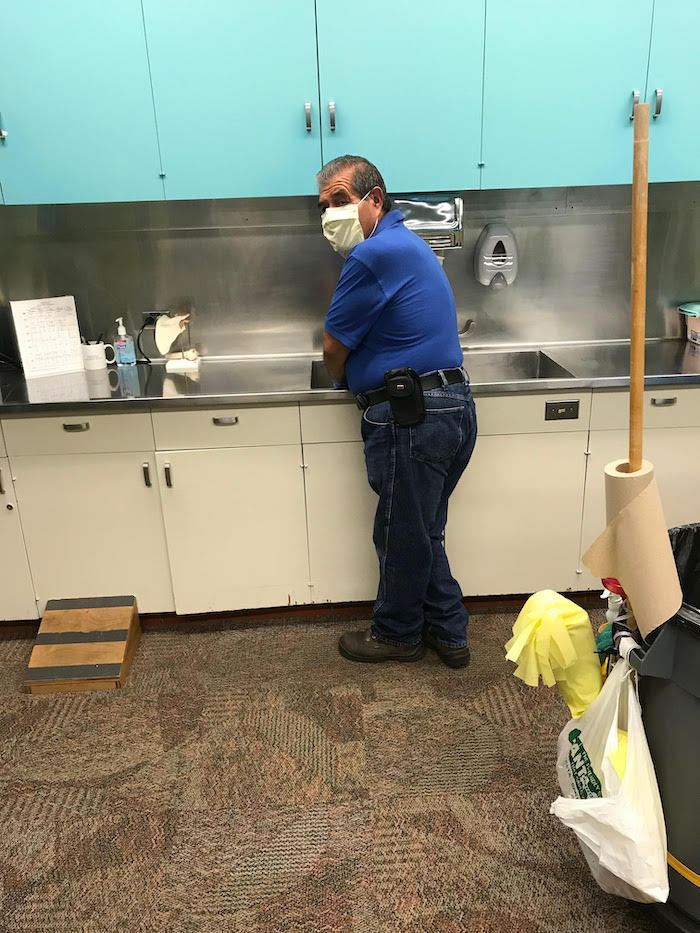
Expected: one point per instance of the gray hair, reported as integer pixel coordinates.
(365, 177)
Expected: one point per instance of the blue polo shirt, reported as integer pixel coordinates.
(393, 306)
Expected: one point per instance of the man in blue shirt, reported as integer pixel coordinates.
(393, 308)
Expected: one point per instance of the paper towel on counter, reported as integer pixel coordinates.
(635, 546)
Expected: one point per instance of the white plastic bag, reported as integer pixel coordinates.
(618, 819)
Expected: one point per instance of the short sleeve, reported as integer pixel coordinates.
(357, 302)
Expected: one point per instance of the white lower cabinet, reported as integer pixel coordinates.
(341, 509)
(16, 588)
(93, 527)
(236, 528)
(675, 453)
(514, 519)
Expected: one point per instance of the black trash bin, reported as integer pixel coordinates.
(669, 692)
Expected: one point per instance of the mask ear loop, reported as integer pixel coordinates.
(376, 223)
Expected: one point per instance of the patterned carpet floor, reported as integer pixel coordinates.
(250, 780)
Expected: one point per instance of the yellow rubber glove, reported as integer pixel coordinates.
(553, 639)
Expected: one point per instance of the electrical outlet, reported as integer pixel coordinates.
(561, 411)
(150, 317)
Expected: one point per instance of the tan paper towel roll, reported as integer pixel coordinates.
(635, 546)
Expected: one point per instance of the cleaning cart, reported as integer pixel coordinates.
(669, 692)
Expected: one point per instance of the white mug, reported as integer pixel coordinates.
(95, 355)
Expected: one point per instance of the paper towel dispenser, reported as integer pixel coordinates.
(436, 218)
(496, 256)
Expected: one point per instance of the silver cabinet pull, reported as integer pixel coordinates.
(664, 402)
(2, 488)
(168, 476)
(78, 426)
(220, 422)
(635, 101)
(307, 109)
(3, 134)
(331, 113)
(147, 473)
(659, 99)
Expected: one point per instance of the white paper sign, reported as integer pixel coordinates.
(48, 335)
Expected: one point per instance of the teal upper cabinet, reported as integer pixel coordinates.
(234, 85)
(558, 85)
(404, 79)
(75, 103)
(673, 91)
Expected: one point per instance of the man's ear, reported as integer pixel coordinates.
(377, 196)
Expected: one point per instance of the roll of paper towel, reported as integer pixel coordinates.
(635, 546)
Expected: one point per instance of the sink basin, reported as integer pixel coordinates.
(483, 366)
(511, 366)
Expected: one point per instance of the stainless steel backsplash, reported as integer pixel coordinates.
(259, 274)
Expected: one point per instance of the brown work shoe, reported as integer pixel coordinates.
(363, 646)
(452, 657)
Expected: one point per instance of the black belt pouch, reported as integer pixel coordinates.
(405, 396)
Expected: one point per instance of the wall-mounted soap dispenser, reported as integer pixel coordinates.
(496, 256)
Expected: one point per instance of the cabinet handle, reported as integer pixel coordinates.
(331, 113)
(3, 134)
(220, 422)
(2, 488)
(147, 473)
(168, 476)
(659, 99)
(81, 426)
(664, 402)
(635, 101)
(307, 110)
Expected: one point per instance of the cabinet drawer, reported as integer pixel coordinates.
(247, 426)
(664, 407)
(525, 414)
(74, 434)
(331, 422)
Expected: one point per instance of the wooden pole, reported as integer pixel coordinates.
(640, 174)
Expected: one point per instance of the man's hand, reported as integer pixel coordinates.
(334, 355)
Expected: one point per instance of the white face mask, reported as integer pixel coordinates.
(342, 227)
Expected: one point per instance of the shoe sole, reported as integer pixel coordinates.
(447, 659)
(405, 658)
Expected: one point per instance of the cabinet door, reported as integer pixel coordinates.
(406, 83)
(230, 84)
(16, 588)
(236, 527)
(515, 518)
(75, 102)
(93, 528)
(558, 85)
(340, 509)
(675, 453)
(674, 68)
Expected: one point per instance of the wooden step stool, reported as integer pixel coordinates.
(84, 644)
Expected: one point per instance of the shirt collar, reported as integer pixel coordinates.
(390, 220)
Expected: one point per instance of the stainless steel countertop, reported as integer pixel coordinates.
(227, 382)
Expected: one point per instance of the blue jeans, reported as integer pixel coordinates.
(414, 471)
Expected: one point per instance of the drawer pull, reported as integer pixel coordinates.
(307, 110)
(78, 426)
(147, 473)
(659, 98)
(664, 402)
(220, 422)
(168, 476)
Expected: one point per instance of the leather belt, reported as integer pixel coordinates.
(431, 381)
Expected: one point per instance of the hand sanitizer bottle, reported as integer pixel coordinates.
(124, 346)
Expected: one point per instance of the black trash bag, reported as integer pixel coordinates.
(685, 542)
